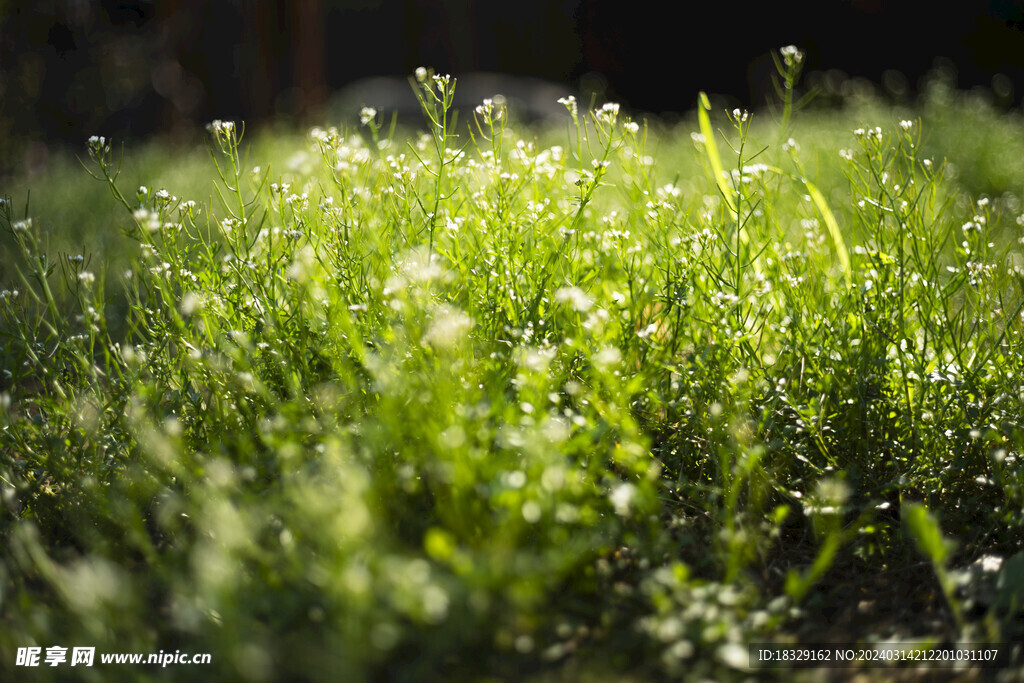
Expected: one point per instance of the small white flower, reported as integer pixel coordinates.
(608, 357)
(621, 498)
(631, 127)
(366, 115)
(906, 125)
(22, 226)
(86, 278)
(647, 331)
(421, 74)
(575, 297)
(190, 303)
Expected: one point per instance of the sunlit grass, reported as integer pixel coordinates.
(488, 400)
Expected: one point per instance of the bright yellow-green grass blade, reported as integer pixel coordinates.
(711, 149)
(833, 229)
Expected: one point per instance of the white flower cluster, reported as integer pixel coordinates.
(164, 197)
(224, 133)
(978, 271)
(750, 172)
(491, 109)
(608, 113)
(448, 328)
(791, 55)
(870, 133)
(570, 104)
(575, 297)
(349, 155)
(974, 225)
(147, 220)
(218, 127)
(740, 115)
(367, 115)
(99, 148)
(321, 137)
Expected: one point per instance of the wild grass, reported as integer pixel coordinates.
(473, 403)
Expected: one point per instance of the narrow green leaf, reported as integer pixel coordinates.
(798, 584)
(926, 533)
(711, 149)
(833, 229)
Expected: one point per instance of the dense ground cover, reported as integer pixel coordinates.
(614, 401)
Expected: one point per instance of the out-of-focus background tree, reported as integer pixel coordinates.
(135, 68)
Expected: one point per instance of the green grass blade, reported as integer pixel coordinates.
(833, 229)
(925, 531)
(704, 121)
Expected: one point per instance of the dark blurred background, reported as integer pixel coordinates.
(133, 68)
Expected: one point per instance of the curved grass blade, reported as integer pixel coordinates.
(833, 229)
(704, 121)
